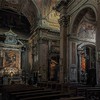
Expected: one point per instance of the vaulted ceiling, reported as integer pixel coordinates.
(22, 16)
(19, 15)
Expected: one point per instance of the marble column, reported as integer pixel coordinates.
(98, 44)
(63, 21)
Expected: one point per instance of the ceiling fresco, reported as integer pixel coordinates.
(86, 28)
(48, 14)
(84, 24)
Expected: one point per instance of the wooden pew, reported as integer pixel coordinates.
(48, 97)
(92, 93)
(42, 84)
(36, 94)
(74, 98)
(31, 91)
(17, 89)
(14, 89)
(81, 91)
(89, 92)
(13, 95)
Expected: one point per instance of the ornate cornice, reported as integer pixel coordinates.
(10, 46)
(39, 29)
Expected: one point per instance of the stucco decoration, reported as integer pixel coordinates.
(49, 16)
(11, 37)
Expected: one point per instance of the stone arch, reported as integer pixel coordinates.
(83, 10)
(38, 13)
(87, 63)
(80, 45)
(28, 10)
(88, 15)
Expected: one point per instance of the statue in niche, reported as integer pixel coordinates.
(73, 73)
(53, 70)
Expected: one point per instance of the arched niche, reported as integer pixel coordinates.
(84, 26)
(26, 14)
(84, 32)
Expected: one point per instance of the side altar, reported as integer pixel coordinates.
(10, 54)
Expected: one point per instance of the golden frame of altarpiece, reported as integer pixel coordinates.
(11, 61)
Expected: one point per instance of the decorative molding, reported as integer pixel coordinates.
(10, 46)
(76, 7)
(49, 36)
(11, 37)
(77, 39)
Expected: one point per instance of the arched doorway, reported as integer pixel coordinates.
(53, 68)
(87, 65)
(84, 31)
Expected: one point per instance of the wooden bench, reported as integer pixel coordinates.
(92, 93)
(27, 93)
(82, 91)
(31, 91)
(48, 97)
(22, 90)
(36, 94)
(74, 98)
(6, 91)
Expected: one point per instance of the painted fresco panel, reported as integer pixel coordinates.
(86, 31)
(11, 58)
(10, 61)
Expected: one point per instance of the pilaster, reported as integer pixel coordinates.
(98, 45)
(63, 21)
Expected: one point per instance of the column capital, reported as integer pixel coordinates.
(60, 4)
(64, 20)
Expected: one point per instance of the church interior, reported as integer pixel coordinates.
(49, 49)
